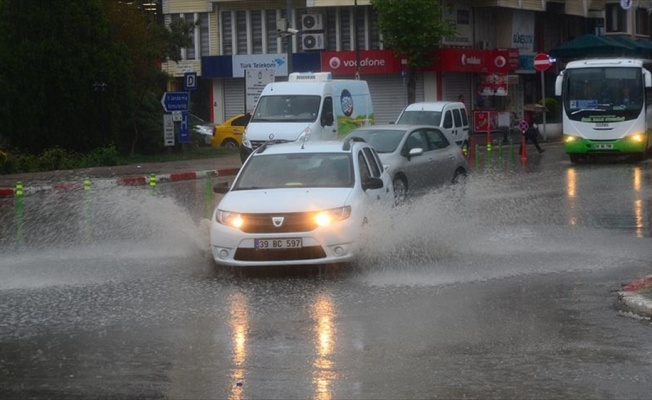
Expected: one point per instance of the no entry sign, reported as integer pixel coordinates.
(542, 62)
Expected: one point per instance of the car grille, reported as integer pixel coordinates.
(292, 222)
(305, 253)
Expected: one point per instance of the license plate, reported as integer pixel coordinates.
(278, 244)
(603, 146)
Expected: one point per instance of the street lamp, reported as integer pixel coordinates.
(100, 89)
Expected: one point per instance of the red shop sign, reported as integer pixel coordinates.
(372, 62)
(473, 60)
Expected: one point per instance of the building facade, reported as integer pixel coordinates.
(489, 60)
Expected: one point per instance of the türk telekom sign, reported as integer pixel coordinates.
(372, 62)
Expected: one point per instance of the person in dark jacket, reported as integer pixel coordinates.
(532, 133)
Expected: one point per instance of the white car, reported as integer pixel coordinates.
(300, 203)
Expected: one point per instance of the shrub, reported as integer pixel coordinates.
(552, 105)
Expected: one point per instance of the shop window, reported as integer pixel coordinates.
(642, 22)
(616, 18)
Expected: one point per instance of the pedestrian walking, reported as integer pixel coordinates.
(532, 133)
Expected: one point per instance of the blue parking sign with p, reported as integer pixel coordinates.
(189, 81)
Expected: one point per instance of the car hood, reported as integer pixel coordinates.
(285, 200)
(279, 130)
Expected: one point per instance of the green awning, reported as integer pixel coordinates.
(590, 45)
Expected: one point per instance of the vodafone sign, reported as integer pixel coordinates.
(372, 62)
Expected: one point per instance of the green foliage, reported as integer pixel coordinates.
(413, 28)
(553, 115)
(52, 56)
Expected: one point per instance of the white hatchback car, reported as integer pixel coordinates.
(300, 203)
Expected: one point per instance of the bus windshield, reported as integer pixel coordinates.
(605, 94)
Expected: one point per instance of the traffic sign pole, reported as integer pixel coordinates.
(541, 63)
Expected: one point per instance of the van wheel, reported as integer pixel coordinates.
(230, 144)
(400, 190)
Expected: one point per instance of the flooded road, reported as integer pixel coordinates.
(501, 289)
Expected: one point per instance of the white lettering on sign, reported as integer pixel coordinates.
(471, 60)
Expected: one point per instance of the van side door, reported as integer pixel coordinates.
(457, 128)
(327, 119)
(448, 126)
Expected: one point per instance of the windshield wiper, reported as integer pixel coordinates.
(588, 109)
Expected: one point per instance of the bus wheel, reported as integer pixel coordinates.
(574, 158)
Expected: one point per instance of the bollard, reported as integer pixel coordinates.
(523, 150)
(88, 223)
(500, 152)
(152, 183)
(477, 156)
(511, 150)
(19, 212)
(209, 196)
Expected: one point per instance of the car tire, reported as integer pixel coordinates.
(459, 176)
(400, 190)
(230, 144)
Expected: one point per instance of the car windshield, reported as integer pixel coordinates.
(383, 140)
(420, 117)
(271, 171)
(287, 108)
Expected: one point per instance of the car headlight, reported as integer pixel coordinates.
(305, 134)
(229, 218)
(327, 217)
(246, 142)
(571, 138)
(638, 138)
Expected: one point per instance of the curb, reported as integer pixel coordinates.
(123, 181)
(631, 300)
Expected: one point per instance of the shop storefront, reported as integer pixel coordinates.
(382, 70)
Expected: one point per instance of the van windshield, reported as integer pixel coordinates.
(420, 117)
(287, 108)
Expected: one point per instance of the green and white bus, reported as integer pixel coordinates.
(606, 108)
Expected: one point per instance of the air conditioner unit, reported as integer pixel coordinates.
(312, 22)
(313, 41)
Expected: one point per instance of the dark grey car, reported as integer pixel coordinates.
(418, 158)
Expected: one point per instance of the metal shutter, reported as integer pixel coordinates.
(389, 95)
(234, 97)
(455, 84)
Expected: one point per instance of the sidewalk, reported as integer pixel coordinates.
(120, 175)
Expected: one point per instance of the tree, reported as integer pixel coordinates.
(82, 74)
(414, 29)
(51, 54)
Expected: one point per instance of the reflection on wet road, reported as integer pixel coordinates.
(500, 289)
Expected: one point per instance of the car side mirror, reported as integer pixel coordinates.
(222, 187)
(372, 183)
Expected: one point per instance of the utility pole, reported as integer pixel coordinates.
(288, 17)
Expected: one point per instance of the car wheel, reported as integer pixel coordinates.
(230, 144)
(400, 190)
(459, 176)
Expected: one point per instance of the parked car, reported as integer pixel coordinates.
(299, 203)
(229, 133)
(202, 128)
(417, 157)
(450, 116)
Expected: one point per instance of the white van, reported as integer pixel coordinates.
(308, 104)
(449, 116)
